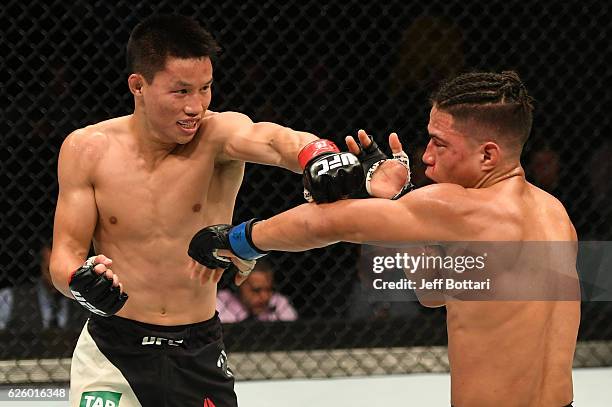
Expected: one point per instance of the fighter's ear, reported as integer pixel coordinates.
(490, 155)
(136, 82)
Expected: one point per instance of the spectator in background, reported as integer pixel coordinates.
(256, 299)
(38, 305)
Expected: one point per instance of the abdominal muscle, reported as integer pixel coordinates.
(157, 277)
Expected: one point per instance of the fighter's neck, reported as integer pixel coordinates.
(147, 142)
(494, 177)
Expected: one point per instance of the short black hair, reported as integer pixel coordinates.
(156, 38)
(499, 100)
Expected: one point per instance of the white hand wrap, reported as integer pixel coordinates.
(401, 157)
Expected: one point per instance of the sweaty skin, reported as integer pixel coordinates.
(501, 353)
(142, 185)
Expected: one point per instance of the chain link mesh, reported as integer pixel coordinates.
(329, 69)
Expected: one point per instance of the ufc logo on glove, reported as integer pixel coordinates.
(335, 161)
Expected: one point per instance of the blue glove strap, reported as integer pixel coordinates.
(241, 245)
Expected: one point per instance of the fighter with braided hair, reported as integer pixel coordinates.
(515, 352)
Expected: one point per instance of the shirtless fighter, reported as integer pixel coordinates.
(502, 353)
(141, 186)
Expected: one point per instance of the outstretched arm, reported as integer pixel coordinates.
(416, 217)
(427, 214)
(273, 144)
(329, 175)
(359, 221)
(310, 226)
(262, 143)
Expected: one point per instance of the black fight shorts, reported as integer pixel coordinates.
(118, 362)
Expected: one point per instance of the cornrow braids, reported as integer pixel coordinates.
(483, 88)
(497, 102)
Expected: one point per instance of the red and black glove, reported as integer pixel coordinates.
(329, 175)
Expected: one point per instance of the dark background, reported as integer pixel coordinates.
(328, 68)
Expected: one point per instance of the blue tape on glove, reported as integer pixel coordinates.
(239, 241)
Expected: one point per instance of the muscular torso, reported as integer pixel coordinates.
(514, 353)
(147, 214)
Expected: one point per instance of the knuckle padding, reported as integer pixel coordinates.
(203, 244)
(100, 284)
(97, 290)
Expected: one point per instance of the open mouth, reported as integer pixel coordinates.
(188, 124)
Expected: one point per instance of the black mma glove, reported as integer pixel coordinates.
(329, 175)
(94, 291)
(207, 242)
(371, 157)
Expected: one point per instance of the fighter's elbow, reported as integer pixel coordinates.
(326, 228)
(59, 277)
(55, 276)
(317, 231)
